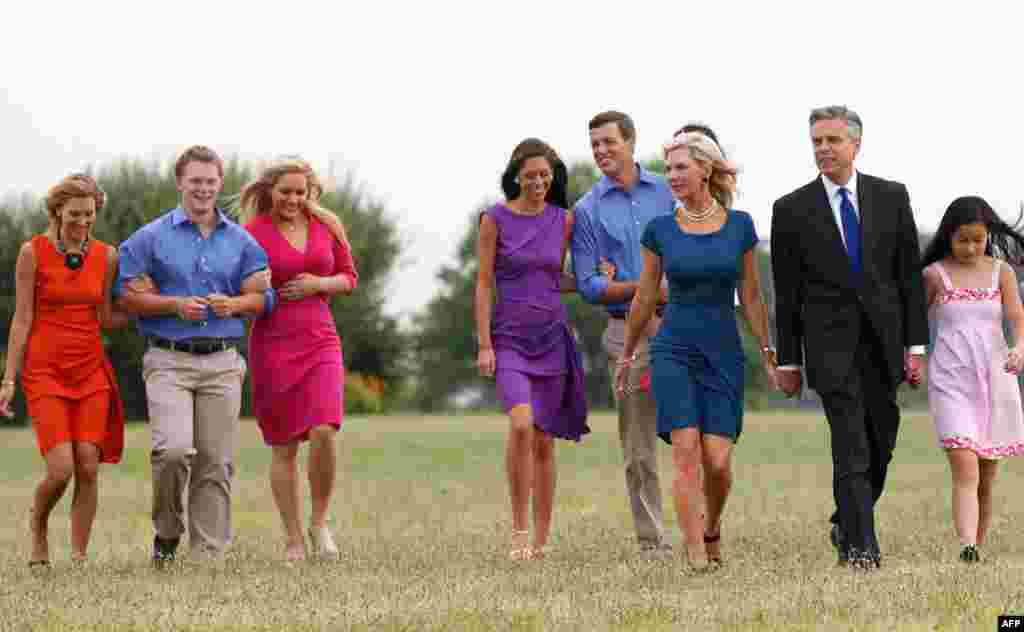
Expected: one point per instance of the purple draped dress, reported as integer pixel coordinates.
(529, 326)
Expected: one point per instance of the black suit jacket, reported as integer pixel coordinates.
(819, 305)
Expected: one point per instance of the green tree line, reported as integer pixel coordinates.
(445, 336)
(429, 367)
(447, 340)
(138, 192)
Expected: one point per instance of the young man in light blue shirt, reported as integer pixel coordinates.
(210, 274)
(609, 221)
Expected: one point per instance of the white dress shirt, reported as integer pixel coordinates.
(835, 200)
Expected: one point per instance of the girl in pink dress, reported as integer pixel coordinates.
(295, 352)
(973, 391)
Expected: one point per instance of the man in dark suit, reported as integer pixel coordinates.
(850, 309)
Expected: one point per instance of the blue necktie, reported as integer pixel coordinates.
(851, 230)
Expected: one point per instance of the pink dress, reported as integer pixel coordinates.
(295, 353)
(974, 402)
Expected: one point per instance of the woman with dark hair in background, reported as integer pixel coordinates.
(973, 391)
(700, 128)
(527, 344)
(62, 288)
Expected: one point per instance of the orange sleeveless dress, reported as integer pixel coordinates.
(64, 357)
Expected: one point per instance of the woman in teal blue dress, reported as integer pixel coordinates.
(705, 250)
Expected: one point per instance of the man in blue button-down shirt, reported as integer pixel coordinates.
(610, 220)
(210, 274)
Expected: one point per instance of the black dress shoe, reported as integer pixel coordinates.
(163, 550)
(838, 541)
(969, 554)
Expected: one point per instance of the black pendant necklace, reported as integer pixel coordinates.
(72, 260)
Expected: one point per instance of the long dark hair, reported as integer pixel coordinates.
(558, 194)
(1004, 241)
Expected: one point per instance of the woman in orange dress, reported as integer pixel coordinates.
(62, 290)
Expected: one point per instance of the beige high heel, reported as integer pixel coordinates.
(698, 562)
(323, 543)
(521, 550)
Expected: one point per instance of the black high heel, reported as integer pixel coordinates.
(969, 554)
(712, 539)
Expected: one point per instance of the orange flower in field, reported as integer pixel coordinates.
(375, 384)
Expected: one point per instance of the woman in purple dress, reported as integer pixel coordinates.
(527, 344)
(294, 352)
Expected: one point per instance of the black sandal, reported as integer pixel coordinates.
(711, 539)
(39, 564)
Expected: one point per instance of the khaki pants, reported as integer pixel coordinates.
(638, 435)
(194, 403)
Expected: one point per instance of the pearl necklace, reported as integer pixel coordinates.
(701, 216)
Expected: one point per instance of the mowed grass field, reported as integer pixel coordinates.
(421, 516)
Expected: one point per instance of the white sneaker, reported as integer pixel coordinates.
(323, 543)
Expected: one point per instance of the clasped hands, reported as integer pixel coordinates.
(300, 286)
(196, 308)
(791, 380)
(190, 308)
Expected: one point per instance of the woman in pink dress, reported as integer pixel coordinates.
(972, 374)
(295, 352)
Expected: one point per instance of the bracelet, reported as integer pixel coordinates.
(627, 360)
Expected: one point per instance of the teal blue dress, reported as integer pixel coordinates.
(697, 363)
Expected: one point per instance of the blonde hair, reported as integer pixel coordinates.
(722, 173)
(76, 185)
(255, 197)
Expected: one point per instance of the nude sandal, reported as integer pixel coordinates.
(521, 553)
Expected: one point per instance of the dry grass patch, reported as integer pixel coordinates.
(422, 518)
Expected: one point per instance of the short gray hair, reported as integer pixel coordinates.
(841, 112)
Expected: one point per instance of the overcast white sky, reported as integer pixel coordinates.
(423, 102)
